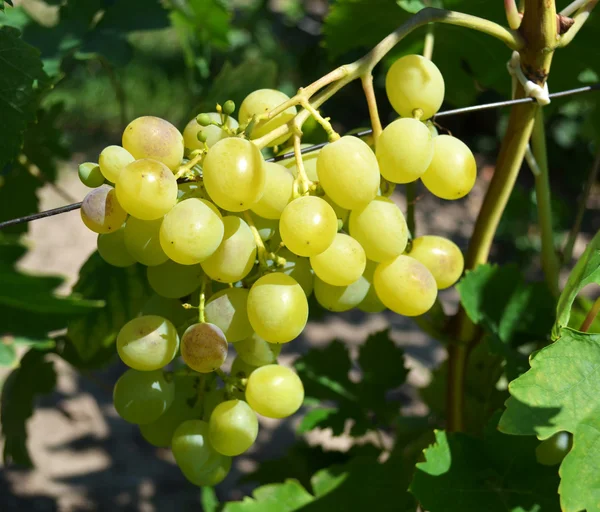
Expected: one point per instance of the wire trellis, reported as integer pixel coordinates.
(278, 158)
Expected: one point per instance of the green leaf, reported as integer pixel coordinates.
(411, 6)
(314, 418)
(210, 502)
(285, 497)
(124, 292)
(208, 19)
(8, 354)
(34, 377)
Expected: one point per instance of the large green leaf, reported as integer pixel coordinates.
(285, 497)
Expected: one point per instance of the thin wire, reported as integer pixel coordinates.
(310, 149)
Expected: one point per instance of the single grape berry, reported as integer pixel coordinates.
(112, 249)
(228, 107)
(228, 310)
(203, 119)
(233, 427)
(101, 211)
(441, 256)
(274, 391)
(201, 136)
(90, 175)
(204, 347)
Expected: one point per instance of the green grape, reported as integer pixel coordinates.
(309, 160)
(155, 138)
(143, 242)
(90, 175)
(278, 191)
(228, 107)
(112, 160)
(234, 174)
(141, 397)
(257, 352)
(341, 213)
(341, 298)
(204, 347)
(277, 308)
(101, 211)
(233, 427)
(112, 249)
(415, 82)
(405, 286)
(196, 189)
(241, 369)
(267, 228)
(212, 133)
(274, 391)
(172, 310)
(553, 450)
(227, 309)
(199, 462)
(299, 268)
(380, 229)
(441, 256)
(186, 406)
(261, 101)
(371, 303)
(147, 189)
(308, 226)
(191, 232)
(234, 258)
(452, 171)
(342, 263)
(404, 150)
(212, 398)
(173, 281)
(348, 172)
(147, 343)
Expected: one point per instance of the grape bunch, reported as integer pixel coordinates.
(237, 242)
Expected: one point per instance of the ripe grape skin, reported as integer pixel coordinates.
(341, 298)
(404, 150)
(309, 160)
(415, 82)
(228, 310)
(90, 174)
(452, 171)
(234, 174)
(204, 347)
(299, 268)
(155, 138)
(141, 397)
(147, 343)
(342, 263)
(111, 247)
(380, 228)
(112, 160)
(405, 286)
(213, 133)
(257, 352)
(274, 391)
(233, 427)
(308, 226)
(261, 101)
(371, 303)
(146, 189)
(101, 211)
(234, 258)
(278, 191)
(277, 308)
(441, 256)
(191, 232)
(348, 172)
(341, 213)
(172, 280)
(143, 242)
(551, 451)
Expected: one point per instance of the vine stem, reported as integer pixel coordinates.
(580, 18)
(592, 313)
(367, 83)
(202, 301)
(302, 179)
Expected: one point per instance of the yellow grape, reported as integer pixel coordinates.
(299, 268)
(341, 298)
(234, 258)
(309, 160)
(380, 228)
(441, 256)
(155, 138)
(191, 232)
(342, 263)
(111, 247)
(371, 303)
(348, 172)
(452, 171)
(90, 174)
(405, 286)
(404, 150)
(228, 309)
(101, 210)
(143, 242)
(308, 226)
(274, 391)
(277, 308)
(146, 189)
(147, 343)
(261, 101)
(415, 82)
(278, 191)
(233, 427)
(204, 347)
(213, 133)
(341, 213)
(112, 160)
(234, 174)
(172, 280)
(257, 352)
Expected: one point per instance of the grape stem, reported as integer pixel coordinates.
(202, 301)
(580, 17)
(302, 183)
(512, 14)
(182, 169)
(590, 317)
(260, 246)
(367, 84)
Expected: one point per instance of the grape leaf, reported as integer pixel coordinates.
(284, 497)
